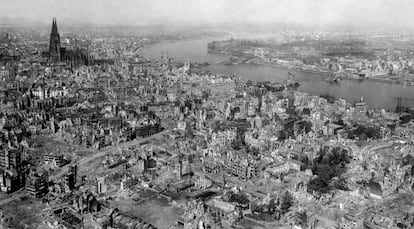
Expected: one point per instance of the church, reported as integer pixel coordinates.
(57, 54)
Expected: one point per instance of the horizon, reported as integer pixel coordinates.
(317, 13)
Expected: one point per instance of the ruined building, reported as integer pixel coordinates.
(74, 57)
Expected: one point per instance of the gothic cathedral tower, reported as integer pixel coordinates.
(54, 45)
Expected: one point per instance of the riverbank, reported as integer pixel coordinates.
(376, 93)
(171, 42)
(326, 73)
(290, 67)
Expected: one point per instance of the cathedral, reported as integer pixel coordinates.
(56, 54)
(54, 44)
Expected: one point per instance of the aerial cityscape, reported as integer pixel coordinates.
(206, 114)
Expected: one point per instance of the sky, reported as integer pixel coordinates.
(143, 12)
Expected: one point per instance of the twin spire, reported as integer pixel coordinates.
(54, 26)
(54, 45)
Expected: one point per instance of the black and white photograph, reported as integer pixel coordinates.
(206, 114)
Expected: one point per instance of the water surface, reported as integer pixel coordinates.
(376, 94)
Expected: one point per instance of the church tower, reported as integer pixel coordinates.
(54, 45)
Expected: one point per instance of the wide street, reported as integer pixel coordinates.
(85, 160)
(104, 151)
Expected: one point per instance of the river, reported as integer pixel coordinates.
(376, 94)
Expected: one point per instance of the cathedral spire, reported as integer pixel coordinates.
(54, 45)
(54, 26)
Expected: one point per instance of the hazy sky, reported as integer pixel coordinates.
(316, 12)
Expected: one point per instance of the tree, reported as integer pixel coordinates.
(340, 184)
(301, 218)
(365, 165)
(324, 171)
(272, 206)
(305, 162)
(363, 137)
(282, 135)
(318, 185)
(286, 202)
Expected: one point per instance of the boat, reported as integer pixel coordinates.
(333, 79)
(291, 82)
